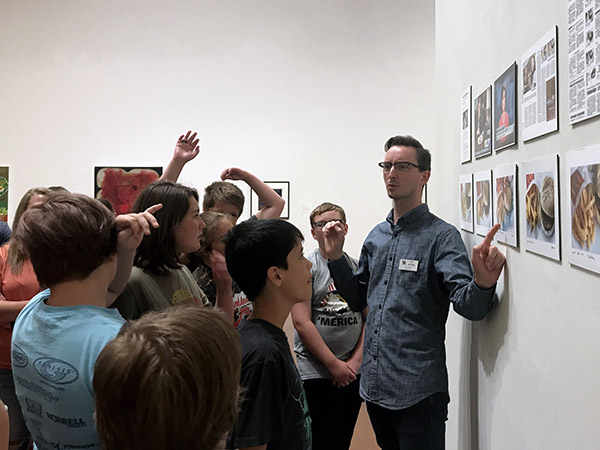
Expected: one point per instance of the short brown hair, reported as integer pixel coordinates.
(325, 207)
(16, 254)
(169, 380)
(212, 221)
(67, 237)
(158, 252)
(222, 191)
(423, 155)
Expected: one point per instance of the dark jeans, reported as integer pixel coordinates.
(418, 427)
(333, 412)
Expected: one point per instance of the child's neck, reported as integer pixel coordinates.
(274, 311)
(84, 292)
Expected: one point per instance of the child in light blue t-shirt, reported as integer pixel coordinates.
(83, 254)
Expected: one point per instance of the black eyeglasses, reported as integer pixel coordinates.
(400, 166)
(321, 224)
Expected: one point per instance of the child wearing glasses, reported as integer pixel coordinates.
(328, 345)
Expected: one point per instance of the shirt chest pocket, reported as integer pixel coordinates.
(409, 272)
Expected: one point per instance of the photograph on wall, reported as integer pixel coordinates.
(505, 109)
(584, 207)
(584, 42)
(4, 194)
(465, 126)
(282, 188)
(482, 126)
(466, 202)
(539, 102)
(483, 203)
(541, 206)
(122, 185)
(505, 203)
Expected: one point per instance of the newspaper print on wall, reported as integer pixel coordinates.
(584, 76)
(465, 126)
(539, 102)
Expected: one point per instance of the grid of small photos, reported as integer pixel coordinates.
(489, 124)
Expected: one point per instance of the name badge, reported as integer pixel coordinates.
(410, 265)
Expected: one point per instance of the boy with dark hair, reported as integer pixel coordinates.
(265, 258)
(169, 380)
(329, 345)
(83, 254)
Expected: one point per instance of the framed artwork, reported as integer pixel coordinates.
(505, 109)
(539, 102)
(282, 188)
(465, 126)
(541, 207)
(122, 185)
(482, 124)
(505, 204)
(466, 202)
(584, 178)
(483, 202)
(4, 194)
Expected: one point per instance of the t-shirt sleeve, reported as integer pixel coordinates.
(260, 420)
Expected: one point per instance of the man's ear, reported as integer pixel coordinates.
(274, 275)
(426, 175)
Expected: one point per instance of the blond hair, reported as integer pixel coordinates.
(325, 207)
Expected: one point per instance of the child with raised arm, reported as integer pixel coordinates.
(265, 258)
(83, 254)
(329, 345)
(222, 196)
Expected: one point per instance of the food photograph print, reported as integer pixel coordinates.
(541, 207)
(505, 204)
(584, 207)
(483, 202)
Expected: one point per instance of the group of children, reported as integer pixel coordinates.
(176, 374)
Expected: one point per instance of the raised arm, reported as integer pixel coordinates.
(472, 296)
(186, 149)
(224, 300)
(273, 202)
(341, 373)
(352, 286)
(131, 229)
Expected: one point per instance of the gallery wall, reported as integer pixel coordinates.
(293, 91)
(525, 377)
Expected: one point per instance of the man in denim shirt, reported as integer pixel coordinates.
(411, 267)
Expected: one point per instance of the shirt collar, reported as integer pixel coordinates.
(414, 215)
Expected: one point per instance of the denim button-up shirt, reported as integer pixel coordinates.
(408, 275)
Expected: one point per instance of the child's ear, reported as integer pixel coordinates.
(274, 275)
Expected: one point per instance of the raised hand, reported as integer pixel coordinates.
(234, 173)
(186, 147)
(131, 228)
(334, 235)
(487, 260)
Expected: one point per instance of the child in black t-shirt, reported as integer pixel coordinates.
(265, 258)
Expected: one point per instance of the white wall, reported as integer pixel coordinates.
(527, 376)
(305, 92)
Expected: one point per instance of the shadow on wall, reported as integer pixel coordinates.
(481, 342)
